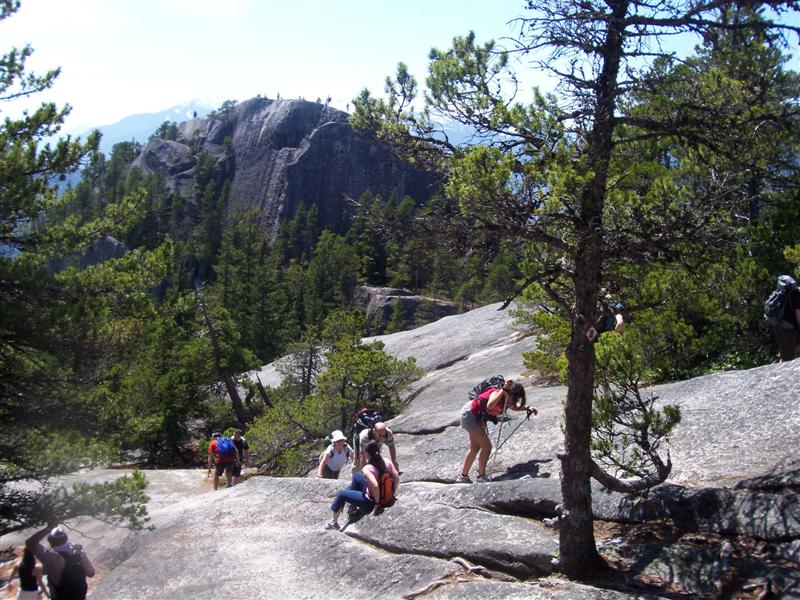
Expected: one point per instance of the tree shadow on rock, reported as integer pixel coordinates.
(528, 468)
(697, 564)
(656, 553)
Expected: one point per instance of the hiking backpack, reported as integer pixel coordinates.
(775, 306)
(386, 488)
(365, 419)
(496, 382)
(72, 585)
(226, 447)
(606, 323)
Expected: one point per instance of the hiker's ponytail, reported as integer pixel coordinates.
(372, 450)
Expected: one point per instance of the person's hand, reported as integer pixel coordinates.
(533, 411)
(51, 521)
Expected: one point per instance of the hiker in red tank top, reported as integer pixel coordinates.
(490, 404)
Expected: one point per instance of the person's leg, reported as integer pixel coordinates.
(354, 497)
(237, 474)
(787, 342)
(358, 498)
(485, 444)
(470, 424)
(797, 342)
(474, 448)
(229, 472)
(218, 468)
(353, 494)
(358, 483)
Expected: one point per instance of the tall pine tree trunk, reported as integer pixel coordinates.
(578, 551)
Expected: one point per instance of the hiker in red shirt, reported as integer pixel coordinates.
(489, 405)
(223, 453)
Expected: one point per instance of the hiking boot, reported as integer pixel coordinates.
(332, 525)
(482, 479)
(463, 479)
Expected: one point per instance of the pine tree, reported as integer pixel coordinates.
(60, 329)
(565, 175)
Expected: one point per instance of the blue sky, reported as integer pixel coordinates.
(121, 57)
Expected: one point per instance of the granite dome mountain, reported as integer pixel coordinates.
(281, 154)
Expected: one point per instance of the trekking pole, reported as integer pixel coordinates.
(499, 431)
(513, 431)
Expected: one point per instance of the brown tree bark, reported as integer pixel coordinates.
(578, 551)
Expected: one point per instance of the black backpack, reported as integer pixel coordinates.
(495, 382)
(365, 419)
(608, 321)
(775, 306)
(72, 585)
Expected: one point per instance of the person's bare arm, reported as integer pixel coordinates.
(32, 542)
(13, 576)
(396, 478)
(494, 398)
(322, 462)
(372, 483)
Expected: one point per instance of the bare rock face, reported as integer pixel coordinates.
(380, 303)
(279, 154)
(729, 518)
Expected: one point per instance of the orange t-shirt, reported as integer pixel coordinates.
(212, 447)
